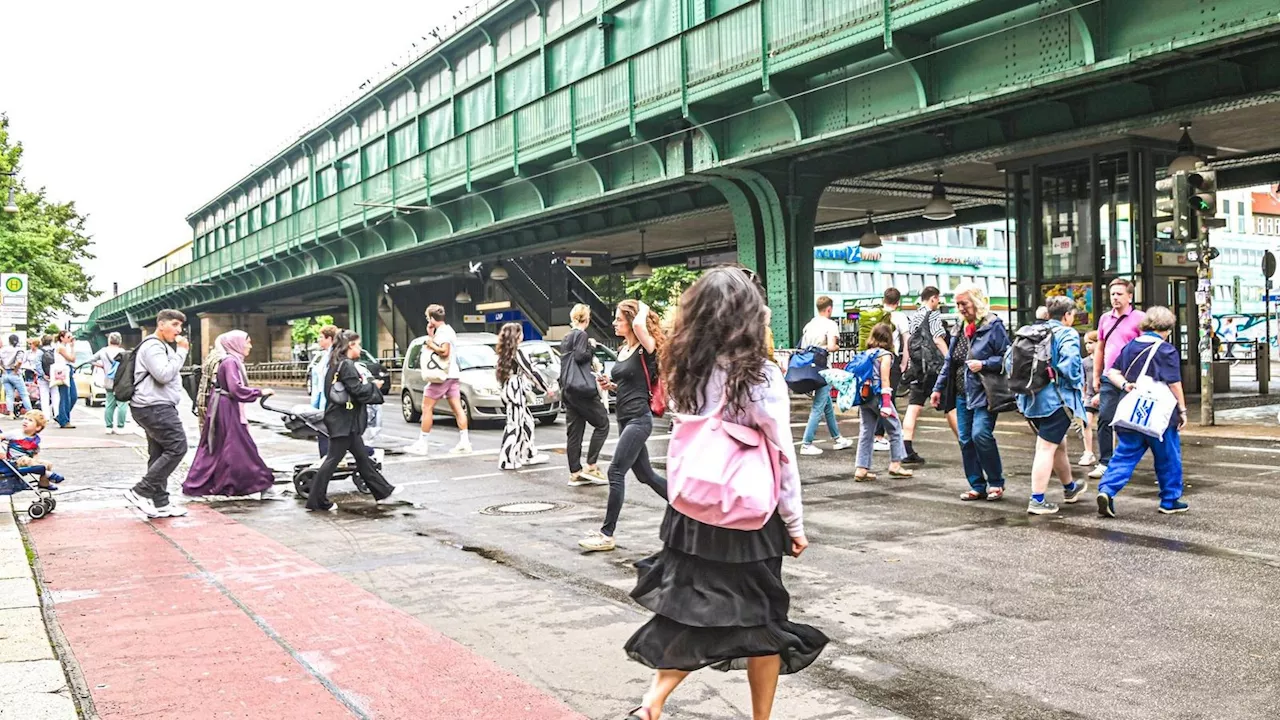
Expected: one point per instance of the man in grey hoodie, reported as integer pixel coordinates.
(157, 391)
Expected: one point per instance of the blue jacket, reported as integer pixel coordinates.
(1068, 368)
(319, 366)
(990, 341)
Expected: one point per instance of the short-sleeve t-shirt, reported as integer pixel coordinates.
(817, 332)
(22, 446)
(1166, 365)
(445, 335)
(901, 330)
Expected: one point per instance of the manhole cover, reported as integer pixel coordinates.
(524, 508)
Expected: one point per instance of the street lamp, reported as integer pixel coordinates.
(1187, 159)
(11, 206)
(642, 269)
(870, 238)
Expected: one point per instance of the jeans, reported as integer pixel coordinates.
(871, 421)
(823, 407)
(630, 454)
(15, 387)
(578, 412)
(67, 401)
(1130, 447)
(117, 412)
(976, 426)
(1107, 402)
(166, 446)
(318, 499)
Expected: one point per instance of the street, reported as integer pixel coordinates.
(936, 608)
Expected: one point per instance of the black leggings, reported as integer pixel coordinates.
(338, 449)
(630, 454)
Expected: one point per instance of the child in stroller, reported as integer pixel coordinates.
(21, 459)
(307, 423)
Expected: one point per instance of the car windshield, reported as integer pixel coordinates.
(539, 353)
(475, 356)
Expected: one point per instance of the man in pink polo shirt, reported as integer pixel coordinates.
(1116, 328)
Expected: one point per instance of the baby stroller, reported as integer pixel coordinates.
(13, 479)
(307, 423)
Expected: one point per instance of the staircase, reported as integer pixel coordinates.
(529, 286)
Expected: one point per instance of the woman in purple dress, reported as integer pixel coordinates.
(227, 461)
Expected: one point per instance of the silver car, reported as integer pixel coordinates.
(478, 380)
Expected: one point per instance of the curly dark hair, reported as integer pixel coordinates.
(509, 339)
(631, 308)
(720, 324)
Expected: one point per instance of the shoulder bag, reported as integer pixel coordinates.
(657, 391)
(1149, 407)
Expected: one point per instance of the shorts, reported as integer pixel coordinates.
(1054, 427)
(920, 391)
(439, 391)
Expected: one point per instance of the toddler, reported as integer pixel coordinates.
(24, 448)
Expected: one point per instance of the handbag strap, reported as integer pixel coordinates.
(648, 382)
(1150, 353)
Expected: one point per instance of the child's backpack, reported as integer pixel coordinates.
(804, 368)
(866, 375)
(1030, 363)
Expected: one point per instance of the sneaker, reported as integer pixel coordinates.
(1098, 472)
(882, 444)
(417, 447)
(461, 449)
(1172, 508)
(55, 478)
(1106, 505)
(171, 510)
(1044, 507)
(578, 480)
(147, 507)
(539, 459)
(379, 455)
(913, 459)
(810, 450)
(843, 442)
(111, 430)
(1069, 497)
(1087, 459)
(392, 499)
(597, 542)
(593, 475)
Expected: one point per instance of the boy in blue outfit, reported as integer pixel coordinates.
(1165, 367)
(23, 448)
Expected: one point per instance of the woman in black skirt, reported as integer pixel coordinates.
(717, 594)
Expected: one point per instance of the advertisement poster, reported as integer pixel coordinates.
(1082, 293)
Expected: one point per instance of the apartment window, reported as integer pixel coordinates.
(886, 281)
(997, 240)
(999, 288)
(967, 238)
(1226, 207)
(917, 283)
(849, 282)
(830, 281)
(953, 282)
(866, 283)
(1240, 217)
(931, 280)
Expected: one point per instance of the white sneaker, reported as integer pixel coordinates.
(147, 507)
(461, 449)
(1087, 459)
(882, 445)
(1098, 472)
(173, 509)
(597, 542)
(810, 450)
(111, 431)
(843, 442)
(539, 459)
(379, 455)
(392, 499)
(417, 447)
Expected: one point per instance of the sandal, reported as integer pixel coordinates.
(973, 495)
(866, 476)
(901, 473)
(635, 714)
(995, 494)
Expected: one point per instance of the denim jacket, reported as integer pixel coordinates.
(319, 364)
(1068, 368)
(990, 340)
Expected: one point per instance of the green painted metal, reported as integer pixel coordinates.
(946, 59)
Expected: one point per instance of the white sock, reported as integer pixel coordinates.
(424, 437)
(464, 439)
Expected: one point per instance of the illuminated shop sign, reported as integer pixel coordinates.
(848, 253)
(971, 261)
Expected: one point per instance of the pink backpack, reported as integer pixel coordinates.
(722, 473)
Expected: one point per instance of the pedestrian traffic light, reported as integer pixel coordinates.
(1203, 202)
(1173, 219)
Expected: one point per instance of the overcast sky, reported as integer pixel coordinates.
(141, 112)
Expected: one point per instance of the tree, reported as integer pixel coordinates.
(44, 239)
(307, 330)
(659, 291)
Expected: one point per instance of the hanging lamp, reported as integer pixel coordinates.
(939, 207)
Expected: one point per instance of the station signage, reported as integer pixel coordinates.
(849, 253)
(13, 300)
(710, 260)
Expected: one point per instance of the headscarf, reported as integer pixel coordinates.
(234, 345)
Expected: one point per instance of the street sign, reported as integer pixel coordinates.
(473, 319)
(1268, 264)
(13, 300)
(1273, 298)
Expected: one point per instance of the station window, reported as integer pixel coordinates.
(347, 139)
(373, 124)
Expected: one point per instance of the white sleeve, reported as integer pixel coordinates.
(773, 416)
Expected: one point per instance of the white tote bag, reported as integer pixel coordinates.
(1148, 408)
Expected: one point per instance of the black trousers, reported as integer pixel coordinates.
(166, 446)
(338, 449)
(578, 412)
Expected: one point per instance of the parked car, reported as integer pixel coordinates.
(478, 386)
(89, 386)
(377, 369)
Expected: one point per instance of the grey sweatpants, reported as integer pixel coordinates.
(166, 446)
(867, 436)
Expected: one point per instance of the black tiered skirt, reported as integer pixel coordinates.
(718, 599)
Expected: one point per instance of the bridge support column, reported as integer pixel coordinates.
(281, 343)
(214, 324)
(364, 292)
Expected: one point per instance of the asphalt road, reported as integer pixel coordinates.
(936, 608)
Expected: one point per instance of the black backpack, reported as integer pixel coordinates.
(47, 360)
(125, 383)
(926, 359)
(1030, 359)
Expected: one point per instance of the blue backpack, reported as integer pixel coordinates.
(866, 378)
(804, 370)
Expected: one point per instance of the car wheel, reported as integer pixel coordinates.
(466, 409)
(548, 419)
(407, 410)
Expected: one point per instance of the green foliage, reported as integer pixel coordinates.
(52, 329)
(307, 330)
(44, 239)
(659, 291)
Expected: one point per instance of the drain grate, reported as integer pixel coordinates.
(525, 508)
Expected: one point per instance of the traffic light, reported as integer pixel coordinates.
(1203, 202)
(1173, 219)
